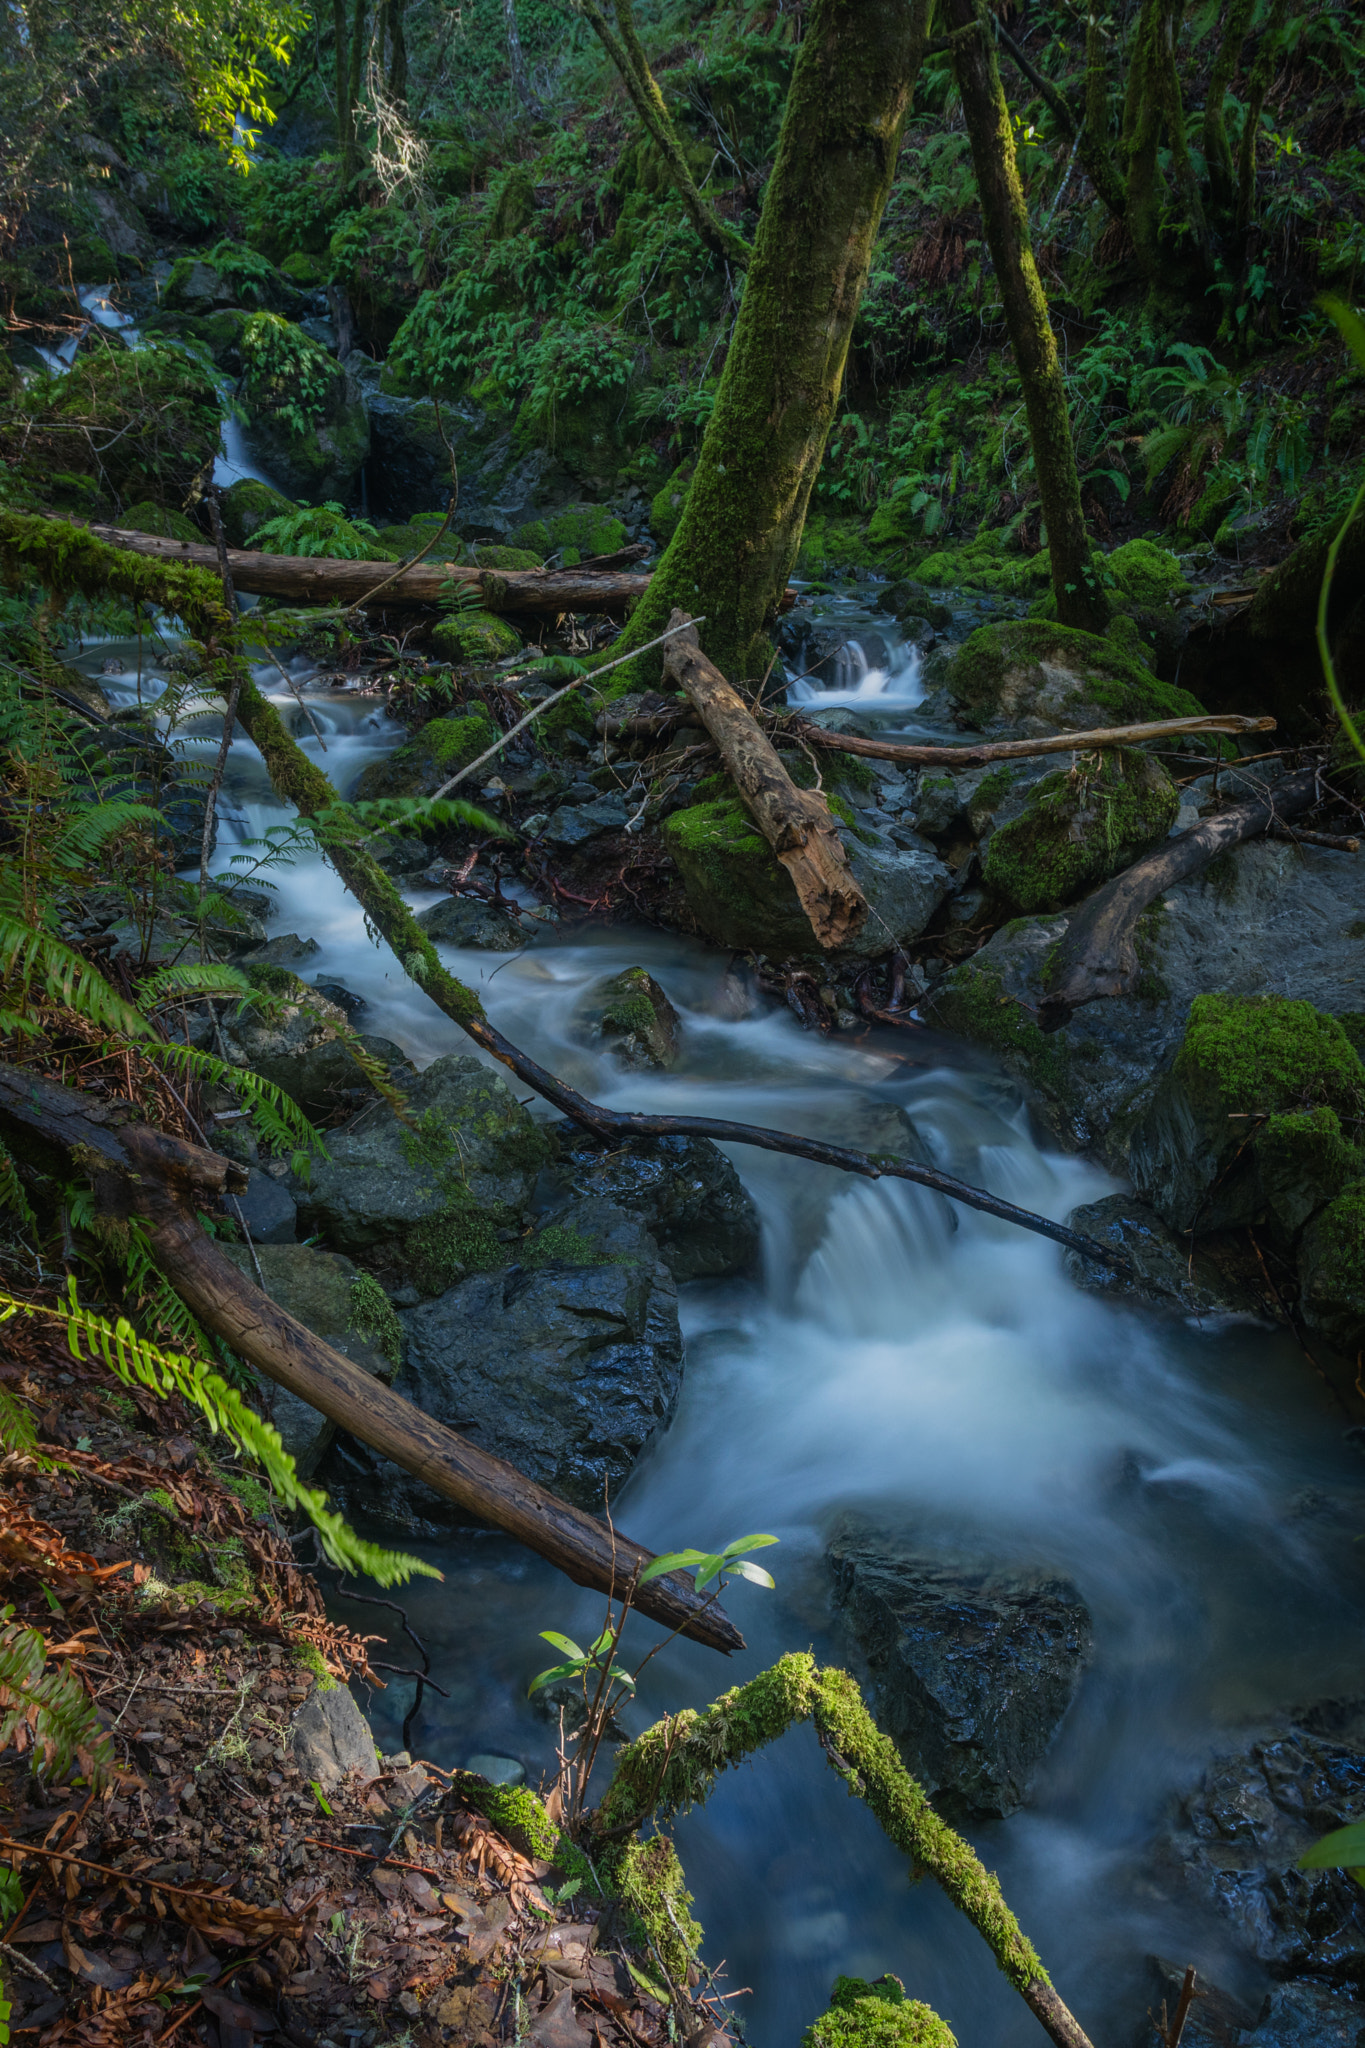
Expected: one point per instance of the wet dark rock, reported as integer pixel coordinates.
(1265, 919)
(344, 999)
(330, 1297)
(566, 1364)
(973, 1663)
(688, 1193)
(268, 1211)
(433, 1204)
(1301, 2016)
(1165, 1269)
(1238, 1836)
(297, 1020)
(630, 1015)
(574, 824)
(465, 921)
(286, 949)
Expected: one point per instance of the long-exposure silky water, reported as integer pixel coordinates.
(937, 1370)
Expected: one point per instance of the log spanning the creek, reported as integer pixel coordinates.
(606, 584)
(136, 1170)
(795, 822)
(974, 755)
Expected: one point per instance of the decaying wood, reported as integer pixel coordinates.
(163, 1181)
(795, 822)
(1019, 750)
(600, 586)
(1097, 955)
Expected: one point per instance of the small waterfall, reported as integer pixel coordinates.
(858, 682)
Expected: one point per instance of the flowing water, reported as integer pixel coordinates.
(943, 1370)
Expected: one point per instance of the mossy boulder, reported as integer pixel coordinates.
(348, 1309)
(629, 1015)
(161, 519)
(247, 505)
(1249, 1125)
(440, 1196)
(1050, 678)
(574, 534)
(1332, 1271)
(987, 564)
(741, 895)
(1081, 826)
(1147, 575)
(665, 507)
(876, 2015)
(475, 637)
(196, 287)
(412, 537)
(421, 764)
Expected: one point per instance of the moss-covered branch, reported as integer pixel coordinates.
(675, 1764)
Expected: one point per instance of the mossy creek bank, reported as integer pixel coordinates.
(1128, 1504)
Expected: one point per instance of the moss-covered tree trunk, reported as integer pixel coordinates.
(1080, 598)
(741, 525)
(1217, 153)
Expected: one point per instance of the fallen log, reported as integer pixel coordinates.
(1097, 955)
(795, 822)
(136, 1170)
(971, 756)
(593, 586)
(318, 580)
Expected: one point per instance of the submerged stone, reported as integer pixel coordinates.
(973, 1663)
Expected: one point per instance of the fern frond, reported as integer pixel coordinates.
(91, 830)
(138, 1363)
(48, 1710)
(275, 1116)
(19, 1432)
(193, 978)
(28, 957)
(420, 816)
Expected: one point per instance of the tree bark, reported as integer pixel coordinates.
(398, 51)
(1080, 598)
(351, 159)
(345, 117)
(140, 1171)
(795, 822)
(628, 57)
(740, 528)
(1262, 71)
(1217, 153)
(1097, 956)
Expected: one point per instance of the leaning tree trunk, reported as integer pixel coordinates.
(741, 525)
(1080, 598)
(1217, 152)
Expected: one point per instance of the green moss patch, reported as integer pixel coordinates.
(1031, 667)
(476, 637)
(1146, 574)
(1080, 827)
(575, 534)
(163, 520)
(877, 2015)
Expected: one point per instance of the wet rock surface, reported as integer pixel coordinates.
(685, 1190)
(486, 927)
(1267, 918)
(1236, 1840)
(1167, 1270)
(565, 1364)
(629, 1015)
(973, 1663)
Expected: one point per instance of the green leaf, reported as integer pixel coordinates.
(1348, 323)
(672, 1561)
(648, 1985)
(316, 1790)
(1343, 1849)
(553, 1676)
(753, 1572)
(743, 1543)
(564, 1643)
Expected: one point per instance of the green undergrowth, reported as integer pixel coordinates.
(877, 2015)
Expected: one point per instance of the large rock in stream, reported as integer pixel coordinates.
(565, 1364)
(973, 1662)
(684, 1190)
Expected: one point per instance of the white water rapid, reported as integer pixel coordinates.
(942, 1369)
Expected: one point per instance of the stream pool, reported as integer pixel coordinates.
(1189, 1480)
